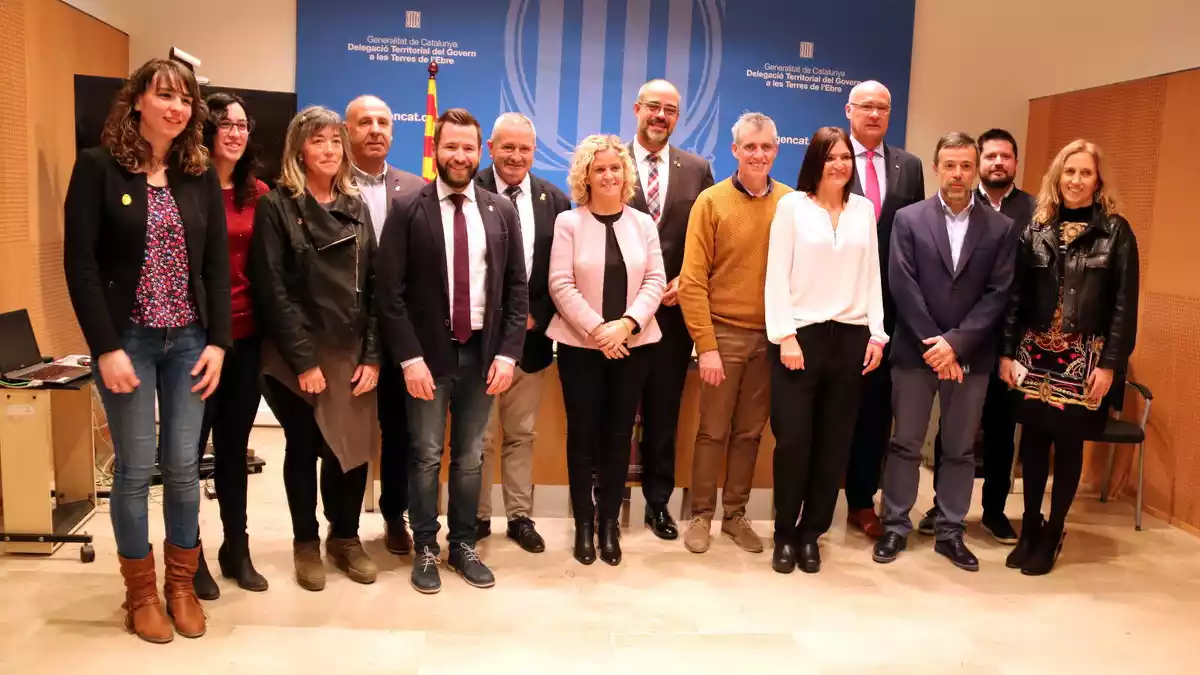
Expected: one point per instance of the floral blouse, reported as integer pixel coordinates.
(164, 298)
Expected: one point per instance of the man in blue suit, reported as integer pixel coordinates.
(951, 268)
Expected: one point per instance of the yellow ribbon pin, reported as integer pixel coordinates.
(126, 200)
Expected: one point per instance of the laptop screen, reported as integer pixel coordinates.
(18, 346)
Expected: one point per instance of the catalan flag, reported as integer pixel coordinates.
(427, 167)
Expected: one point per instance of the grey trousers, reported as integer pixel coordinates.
(913, 390)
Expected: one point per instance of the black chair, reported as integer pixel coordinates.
(1123, 432)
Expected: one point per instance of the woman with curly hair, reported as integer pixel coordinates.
(147, 267)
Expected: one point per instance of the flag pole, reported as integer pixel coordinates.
(427, 166)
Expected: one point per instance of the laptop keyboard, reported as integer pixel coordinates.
(51, 371)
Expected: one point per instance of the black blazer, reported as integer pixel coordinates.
(548, 202)
(398, 180)
(905, 185)
(105, 246)
(412, 284)
(932, 298)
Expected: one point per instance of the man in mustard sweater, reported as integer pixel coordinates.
(721, 293)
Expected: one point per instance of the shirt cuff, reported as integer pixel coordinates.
(405, 364)
(507, 359)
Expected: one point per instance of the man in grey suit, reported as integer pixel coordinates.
(951, 267)
(369, 124)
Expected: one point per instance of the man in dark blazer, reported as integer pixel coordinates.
(951, 268)
(669, 180)
(892, 179)
(453, 307)
(997, 173)
(369, 125)
(537, 203)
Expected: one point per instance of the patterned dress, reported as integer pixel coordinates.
(164, 298)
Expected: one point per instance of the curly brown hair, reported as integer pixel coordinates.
(122, 137)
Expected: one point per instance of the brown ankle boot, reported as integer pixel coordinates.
(348, 555)
(310, 569)
(143, 611)
(182, 604)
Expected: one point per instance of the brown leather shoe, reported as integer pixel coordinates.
(144, 614)
(182, 604)
(396, 538)
(867, 521)
(698, 537)
(742, 533)
(348, 556)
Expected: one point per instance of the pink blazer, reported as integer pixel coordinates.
(577, 275)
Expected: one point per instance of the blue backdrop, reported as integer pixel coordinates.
(574, 66)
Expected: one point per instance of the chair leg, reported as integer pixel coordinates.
(1112, 453)
(1137, 519)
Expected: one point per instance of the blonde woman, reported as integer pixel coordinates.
(312, 282)
(1070, 329)
(606, 280)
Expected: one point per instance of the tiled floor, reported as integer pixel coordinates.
(1120, 601)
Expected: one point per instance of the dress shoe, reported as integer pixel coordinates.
(1045, 553)
(888, 548)
(1001, 530)
(1031, 530)
(483, 528)
(203, 583)
(867, 521)
(661, 524)
(928, 524)
(810, 558)
(783, 560)
(956, 550)
(585, 541)
(466, 562)
(698, 536)
(396, 538)
(742, 533)
(521, 530)
(610, 541)
(234, 559)
(425, 577)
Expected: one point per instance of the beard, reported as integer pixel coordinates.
(444, 172)
(996, 184)
(656, 134)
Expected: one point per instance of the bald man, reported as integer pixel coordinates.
(891, 179)
(369, 124)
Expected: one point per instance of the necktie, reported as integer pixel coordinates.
(460, 315)
(512, 192)
(872, 185)
(652, 187)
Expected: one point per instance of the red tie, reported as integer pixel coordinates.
(873, 184)
(460, 317)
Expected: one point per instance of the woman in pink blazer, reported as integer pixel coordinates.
(606, 280)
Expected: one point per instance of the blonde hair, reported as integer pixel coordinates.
(581, 165)
(304, 126)
(1050, 196)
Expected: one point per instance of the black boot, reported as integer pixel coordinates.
(1045, 552)
(585, 541)
(1031, 529)
(205, 586)
(234, 559)
(610, 541)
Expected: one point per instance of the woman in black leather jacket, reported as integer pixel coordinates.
(311, 278)
(1070, 328)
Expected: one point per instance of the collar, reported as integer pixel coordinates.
(363, 175)
(501, 184)
(444, 190)
(860, 149)
(1011, 188)
(640, 153)
(737, 183)
(950, 214)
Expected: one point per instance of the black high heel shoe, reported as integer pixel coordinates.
(585, 541)
(1031, 530)
(234, 559)
(610, 542)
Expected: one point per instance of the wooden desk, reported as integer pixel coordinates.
(47, 468)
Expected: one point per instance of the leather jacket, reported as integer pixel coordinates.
(312, 278)
(1098, 276)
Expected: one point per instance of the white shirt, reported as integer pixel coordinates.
(643, 169)
(816, 274)
(524, 213)
(956, 227)
(860, 165)
(476, 249)
(374, 194)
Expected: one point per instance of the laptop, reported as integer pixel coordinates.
(20, 358)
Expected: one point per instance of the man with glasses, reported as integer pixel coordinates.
(669, 180)
(891, 179)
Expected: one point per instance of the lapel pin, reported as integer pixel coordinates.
(491, 208)
(678, 165)
(396, 189)
(126, 200)
(543, 197)
(300, 222)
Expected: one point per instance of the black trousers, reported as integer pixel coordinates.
(813, 411)
(601, 398)
(871, 436)
(229, 417)
(396, 443)
(999, 425)
(661, 395)
(1036, 441)
(341, 491)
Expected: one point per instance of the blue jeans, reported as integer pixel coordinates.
(163, 359)
(464, 392)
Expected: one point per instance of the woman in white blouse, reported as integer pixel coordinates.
(824, 305)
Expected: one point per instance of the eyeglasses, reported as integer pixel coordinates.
(883, 110)
(655, 108)
(244, 126)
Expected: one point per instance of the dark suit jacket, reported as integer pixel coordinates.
(905, 185)
(399, 181)
(964, 305)
(105, 247)
(1018, 206)
(689, 175)
(548, 202)
(413, 284)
